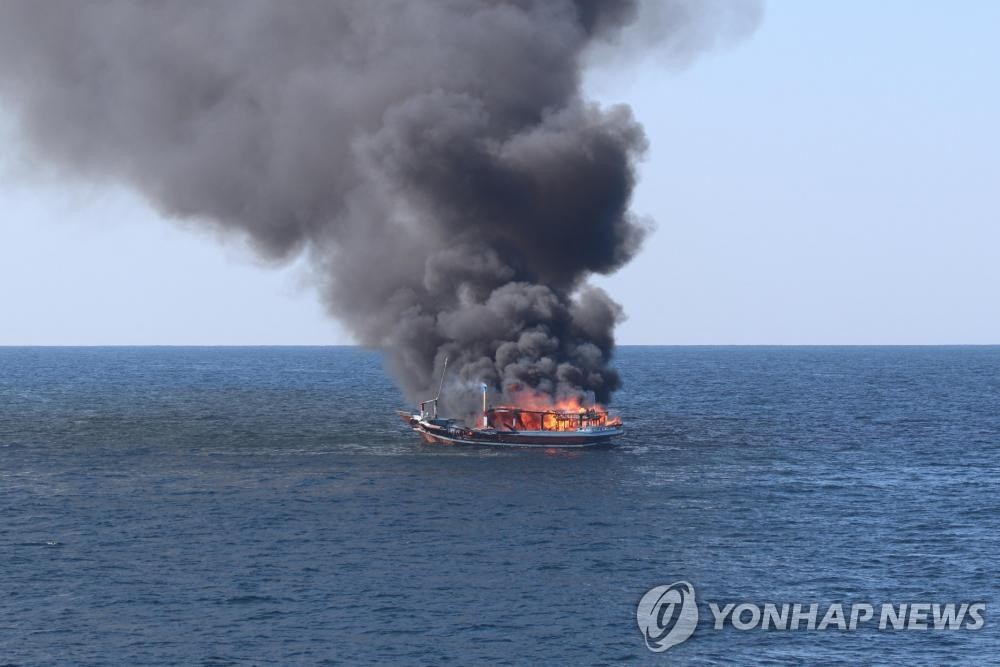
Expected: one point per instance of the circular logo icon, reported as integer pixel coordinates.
(667, 615)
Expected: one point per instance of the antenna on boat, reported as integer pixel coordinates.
(486, 419)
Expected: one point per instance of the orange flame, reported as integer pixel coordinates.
(536, 411)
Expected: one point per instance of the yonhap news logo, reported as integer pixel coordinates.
(668, 615)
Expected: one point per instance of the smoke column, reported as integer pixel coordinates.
(436, 161)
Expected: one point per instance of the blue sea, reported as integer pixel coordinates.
(265, 506)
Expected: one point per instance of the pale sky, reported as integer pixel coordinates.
(835, 179)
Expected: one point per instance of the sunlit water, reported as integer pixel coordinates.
(265, 506)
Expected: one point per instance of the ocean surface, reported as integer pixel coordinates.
(230, 506)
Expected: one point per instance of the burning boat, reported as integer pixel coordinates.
(564, 424)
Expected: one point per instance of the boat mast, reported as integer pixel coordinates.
(434, 401)
(444, 369)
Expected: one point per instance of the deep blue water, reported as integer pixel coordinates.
(265, 506)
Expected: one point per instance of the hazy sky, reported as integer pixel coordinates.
(835, 179)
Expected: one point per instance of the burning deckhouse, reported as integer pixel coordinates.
(535, 422)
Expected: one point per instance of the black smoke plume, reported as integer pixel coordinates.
(436, 160)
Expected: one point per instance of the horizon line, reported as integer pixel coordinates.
(356, 345)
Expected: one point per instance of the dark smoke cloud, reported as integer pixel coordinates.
(436, 160)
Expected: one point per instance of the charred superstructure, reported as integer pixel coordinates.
(510, 418)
